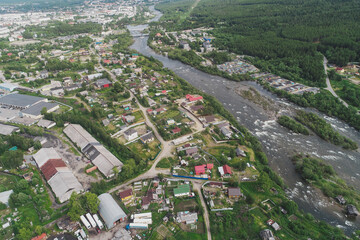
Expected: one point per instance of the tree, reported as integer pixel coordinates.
(264, 181)
(24, 233)
(92, 202)
(75, 207)
(43, 111)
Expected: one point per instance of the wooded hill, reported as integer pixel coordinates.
(288, 34)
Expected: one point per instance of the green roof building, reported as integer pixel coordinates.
(182, 190)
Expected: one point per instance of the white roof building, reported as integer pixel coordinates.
(63, 184)
(110, 211)
(79, 135)
(95, 151)
(45, 154)
(7, 129)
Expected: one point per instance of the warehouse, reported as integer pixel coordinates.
(8, 129)
(60, 178)
(102, 158)
(45, 154)
(79, 135)
(7, 115)
(95, 151)
(8, 87)
(110, 211)
(35, 110)
(20, 101)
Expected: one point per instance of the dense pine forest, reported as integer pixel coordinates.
(287, 37)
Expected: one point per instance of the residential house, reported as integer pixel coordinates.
(192, 98)
(44, 74)
(225, 171)
(196, 108)
(187, 217)
(199, 169)
(209, 119)
(191, 151)
(103, 83)
(240, 152)
(146, 138)
(234, 192)
(130, 134)
(128, 118)
(267, 234)
(176, 130)
(126, 195)
(226, 132)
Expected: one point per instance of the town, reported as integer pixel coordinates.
(100, 142)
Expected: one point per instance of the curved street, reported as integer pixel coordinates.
(328, 84)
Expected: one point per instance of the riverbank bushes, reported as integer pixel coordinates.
(324, 102)
(324, 130)
(291, 124)
(323, 176)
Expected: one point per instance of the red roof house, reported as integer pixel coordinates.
(40, 237)
(176, 130)
(227, 169)
(200, 169)
(192, 98)
(209, 166)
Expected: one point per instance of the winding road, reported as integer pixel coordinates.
(328, 84)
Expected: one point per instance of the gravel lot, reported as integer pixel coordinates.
(76, 163)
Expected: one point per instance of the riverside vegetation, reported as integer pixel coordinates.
(323, 176)
(324, 130)
(291, 124)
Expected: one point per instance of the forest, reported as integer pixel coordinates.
(57, 29)
(287, 37)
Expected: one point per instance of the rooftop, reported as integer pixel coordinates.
(20, 100)
(7, 129)
(45, 154)
(35, 110)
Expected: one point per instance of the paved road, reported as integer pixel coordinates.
(328, 84)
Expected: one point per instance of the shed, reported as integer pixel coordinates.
(110, 211)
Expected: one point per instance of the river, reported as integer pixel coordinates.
(278, 142)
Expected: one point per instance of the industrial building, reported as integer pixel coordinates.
(110, 211)
(8, 129)
(60, 178)
(20, 101)
(95, 151)
(8, 87)
(35, 110)
(45, 154)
